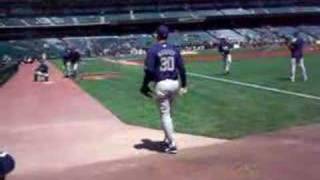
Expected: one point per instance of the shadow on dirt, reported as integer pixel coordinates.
(157, 146)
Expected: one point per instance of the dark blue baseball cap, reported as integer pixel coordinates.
(163, 32)
(7, 163)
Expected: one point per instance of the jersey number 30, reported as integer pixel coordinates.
(167, 63)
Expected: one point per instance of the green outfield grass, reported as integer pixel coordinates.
(212, 108)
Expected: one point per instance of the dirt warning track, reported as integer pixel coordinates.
(287, 155)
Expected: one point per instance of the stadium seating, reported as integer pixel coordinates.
(118, 17)
(12, 48)
(137, 44)
(116, 12)
(266, 35)
(147, 15)
(41, 21)
(208, 13)
(176, 14)
(313, 31)
(258, 11)
(87, 19)
(306, 9)
(280, 10)
(161, 11)
(249, 34)
(12, 22)
(237, 11)
(112, 44)
(62, 21)
(229, 34)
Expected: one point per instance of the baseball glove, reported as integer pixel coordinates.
(146, 91)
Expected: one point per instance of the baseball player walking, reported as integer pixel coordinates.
(296, 49)
(71, 60)
(224, 49)
(164, 66)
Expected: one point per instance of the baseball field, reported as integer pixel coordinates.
(257, 97)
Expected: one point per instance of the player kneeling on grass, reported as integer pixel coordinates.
(42, 72)
(296, 46)
(164, 65)
(7, 164)
(225, 49)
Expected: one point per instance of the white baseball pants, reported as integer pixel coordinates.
(227, 60)
(294, 63)
(166, 91)
(72, 68)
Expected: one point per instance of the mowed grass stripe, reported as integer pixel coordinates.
(269, 72)
(255, 86)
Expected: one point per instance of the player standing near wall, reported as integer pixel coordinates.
(225, 50)
(296, 48)
(164, 66)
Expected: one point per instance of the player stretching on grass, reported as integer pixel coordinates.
(224, 49)
(164, 65)
(296, 47)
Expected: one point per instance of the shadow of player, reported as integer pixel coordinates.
(157, 146)
(283, 79)
(222, 74)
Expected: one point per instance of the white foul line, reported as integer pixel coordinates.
(255, 86)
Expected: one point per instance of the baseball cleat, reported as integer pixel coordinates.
(292, 79)
(171, 149)
(165, 143)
